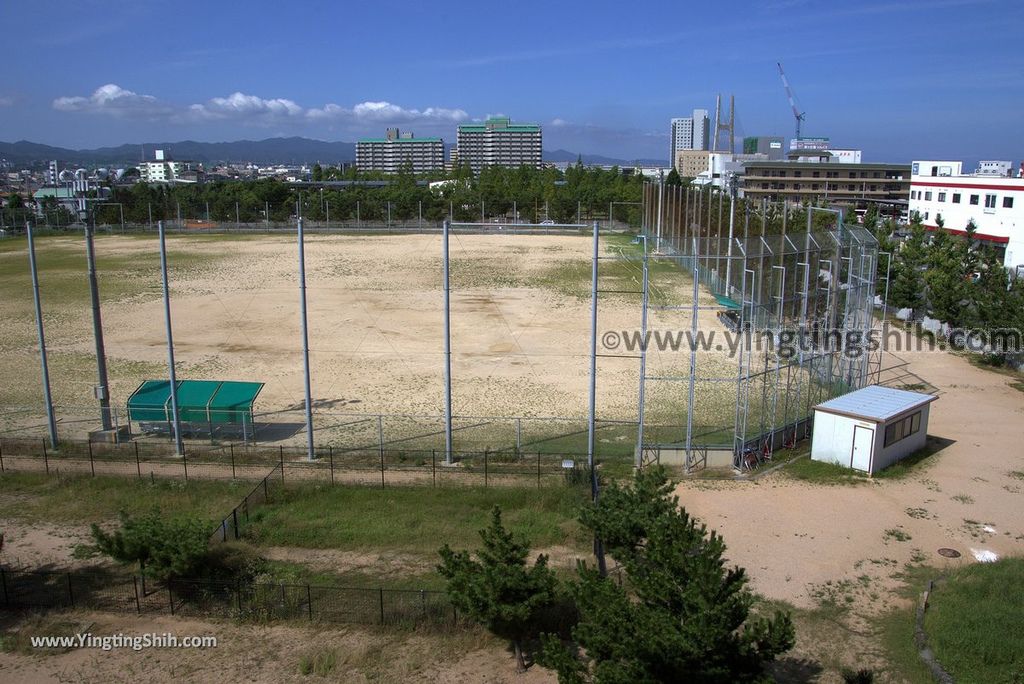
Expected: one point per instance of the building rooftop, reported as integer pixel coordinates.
(876, 403)
(500, 123)
(400, 140)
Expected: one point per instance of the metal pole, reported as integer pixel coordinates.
(238, 224)
(178, 444)
(50, 420)
(420, 204)
(643, 360)
(728, 258)
(358, 220)
(592, 408)
(121, 209)
(657, 241)
(266, 212)
(310, 454)
(447, 349)
(102, 386)
(694, 308)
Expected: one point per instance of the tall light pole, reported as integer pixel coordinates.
(592, 400)
(310, 453)
(447, 347)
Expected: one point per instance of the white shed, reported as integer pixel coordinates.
(871, 428)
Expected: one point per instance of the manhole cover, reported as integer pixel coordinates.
(949, 553)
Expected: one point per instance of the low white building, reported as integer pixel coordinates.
(990, 197)
(871, 428)
(163, 169)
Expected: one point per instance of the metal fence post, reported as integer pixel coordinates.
(234, 518)
(538, 470)
(266, 496)
(381, 590)
(184, 463)
(138, 466)
(382, 469)
(138, 603)
(433, 466)
(1, 456)
(46, 460)
(231, 447)
(330, 455)
(71, 594)
(281, 451)
(309, 601)
(485, 467)
(92, 466)
(170, 597)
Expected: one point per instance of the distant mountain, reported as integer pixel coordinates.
(567, 156)
(270, 151)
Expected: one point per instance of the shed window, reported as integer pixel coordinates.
(903, 428)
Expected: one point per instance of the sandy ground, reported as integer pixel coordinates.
(794, 537)
(520, 326)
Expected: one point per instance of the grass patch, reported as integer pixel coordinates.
(415, 520)
(18, 640)
(915, 462)
(84, 499)
(964, 498)
(973, 622)
(819, 472)
(897, 534)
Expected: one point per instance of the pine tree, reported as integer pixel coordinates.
(162, 547)
(684, 617)
(498, 590)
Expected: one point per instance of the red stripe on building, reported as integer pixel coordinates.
(979, 236)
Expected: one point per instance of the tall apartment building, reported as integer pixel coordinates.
(990, 197)
(690, 133)
(396, 149)
(499, 141)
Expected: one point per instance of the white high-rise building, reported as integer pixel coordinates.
(690, 133)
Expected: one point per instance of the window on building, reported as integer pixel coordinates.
(817, 174)
(913, 194)
(851, 186)
(814, 186)
(926, 216)
(853, 174)
(873, 188)
(990, 201)
(956, 198)
(974, 200)
(942, 197)
(903, 428)
(1007, 203)
(928, 196)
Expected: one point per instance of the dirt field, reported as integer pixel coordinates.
(520, 325)
(794, 537)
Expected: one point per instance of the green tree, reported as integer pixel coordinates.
(318, 172)
(907, 273)
(163, 547)
(673, 178)
(685, 617)
(499, 590)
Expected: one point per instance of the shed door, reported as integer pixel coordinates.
(863, 441)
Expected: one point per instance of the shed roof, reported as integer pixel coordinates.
(876, 403)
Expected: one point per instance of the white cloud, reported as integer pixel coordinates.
(246, 107)
(6, 100)
(240, 107)
(386, 112)
(116, 101)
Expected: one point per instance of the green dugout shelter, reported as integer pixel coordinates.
(202, 402)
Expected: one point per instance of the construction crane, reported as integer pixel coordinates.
(797, 114)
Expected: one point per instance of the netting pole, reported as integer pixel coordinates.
(102, 389)
(643, 360)
(178, 444)
(598, 548)
(51, 422)
(310, 453)
(446, 226)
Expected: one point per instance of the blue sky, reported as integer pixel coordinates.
(900, 80)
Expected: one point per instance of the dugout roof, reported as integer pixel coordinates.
(207, 401)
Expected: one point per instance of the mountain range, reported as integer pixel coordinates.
(294, 150)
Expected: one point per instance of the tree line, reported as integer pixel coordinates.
(496, 192)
